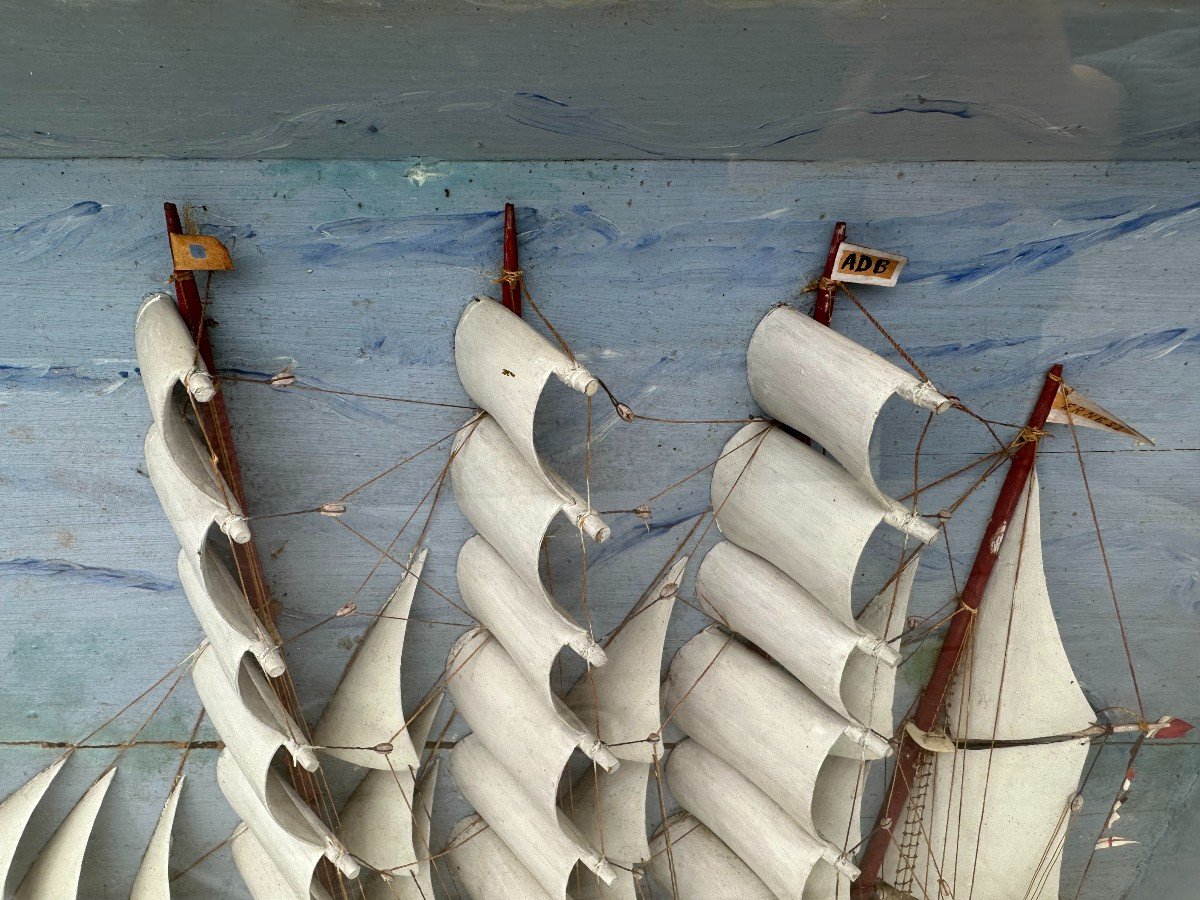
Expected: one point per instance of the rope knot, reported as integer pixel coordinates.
(1027, 434)
(511, 277)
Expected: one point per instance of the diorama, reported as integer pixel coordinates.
(430, 518)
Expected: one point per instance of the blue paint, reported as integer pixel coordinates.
(77, 573)
(59, 379)
(1040, 254)
(61, 231)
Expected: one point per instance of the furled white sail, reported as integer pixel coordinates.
(483, 866)
(15, 812)
(698, 865)
(529, 624)
(511, 766)
(541, 837)
(828, 387)
(260, 874)
(193, 494)
(223, 612)
(801, 511)
(996, 814)
(365, 710)
(229, 673)
(775, 847)
(289, 832)
(167, 356)
(153, 881)
(504, 365)
(755, 599)
(531, 738)
(250, 718)
(754, 716)
(785, 705)
(506, 500)
(1018, 682)
(387, 822)
(55, 873)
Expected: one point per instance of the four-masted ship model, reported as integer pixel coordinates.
(781, 704)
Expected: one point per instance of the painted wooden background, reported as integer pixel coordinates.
(601, 79)
(656, 273)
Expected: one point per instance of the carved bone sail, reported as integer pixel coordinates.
(16, 811)
(509, 769)
(232, 682)
(621, 701)
(786, 741)
(290, 832)
(1001, 812)
(366, 709)
(828, 387)
(55, 873)
(153, 881)
(387, 823)
(775, 847)
(698, 865)
(193, 495)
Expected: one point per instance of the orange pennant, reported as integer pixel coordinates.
(199, 253)
(1071, 407)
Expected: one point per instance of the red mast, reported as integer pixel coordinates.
(826, 287)
(909, 755)
(214, 421)
(510, 272)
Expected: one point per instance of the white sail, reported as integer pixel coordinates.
(869, 682)
(507, 501)
(504, 365)
(193, 494)
(1017, 682)
(250, 718)
(698, 865)
(511, 766)
(754, 716)
(153, 881)
(995, 816)
(778, 743)
(55, 873)
(754, 598)
(529, 624)
(531, 738)
(621, 700)
(828, 387)
(801, 511)
(541, 837)
(167, 357)
(484, 868)
(386, 822)
(225, 615)
(16, 811)
(610, 810)
(260, 874)
(289, 832)
(365, 710)
(993, 824)
(775, 847)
